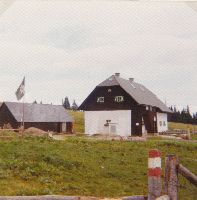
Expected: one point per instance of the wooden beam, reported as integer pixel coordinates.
(171, 177)
(187, 174)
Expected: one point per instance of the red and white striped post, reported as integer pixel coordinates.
(154, 174)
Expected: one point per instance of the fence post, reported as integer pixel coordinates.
(154, 174)
(188, 134)
(171, 177)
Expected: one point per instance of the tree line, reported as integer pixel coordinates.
(66, 104)
(183, 116)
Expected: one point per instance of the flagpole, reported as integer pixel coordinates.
(23, 116)
(20, 93)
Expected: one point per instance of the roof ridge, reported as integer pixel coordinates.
(30, 103)
(137, 91)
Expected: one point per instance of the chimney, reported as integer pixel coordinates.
(131, 79)
(117, 74)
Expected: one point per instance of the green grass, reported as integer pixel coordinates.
(194, 136)
(173, 125)
(78, 121)
(78, 166)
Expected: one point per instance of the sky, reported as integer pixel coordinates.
(66, 48)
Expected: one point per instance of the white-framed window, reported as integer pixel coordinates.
(100, 100)
(147, 108)
(164, 123)
(119, 99)
(160, 123)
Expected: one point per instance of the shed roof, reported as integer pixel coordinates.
(137, 91)
(38, 112)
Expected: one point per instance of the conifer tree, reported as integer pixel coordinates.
(66, 103)
(74, 106)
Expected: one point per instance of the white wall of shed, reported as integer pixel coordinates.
(95, 120)
(163, 118)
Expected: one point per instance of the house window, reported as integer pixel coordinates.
(160, 123)
(164, 123)
(119, 99)
(147, 108)
(100, 100)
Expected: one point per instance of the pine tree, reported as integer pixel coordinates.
(188, 110)
(66, 103)
(74, 106)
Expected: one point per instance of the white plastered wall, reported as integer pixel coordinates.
(95, 120)
(162, 122)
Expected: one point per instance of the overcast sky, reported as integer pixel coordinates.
(66, 48)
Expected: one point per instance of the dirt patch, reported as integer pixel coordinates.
(35, 132)
(117, 137)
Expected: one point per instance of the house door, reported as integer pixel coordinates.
(143, 127)
(59, 128)
(63, 127)
(69, 127)
(113, 128)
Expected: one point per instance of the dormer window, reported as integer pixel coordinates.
(100, 100)
(119, 99)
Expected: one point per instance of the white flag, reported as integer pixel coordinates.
(21, 90)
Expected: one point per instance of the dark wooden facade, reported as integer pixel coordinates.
(139, 113)
(6, 117)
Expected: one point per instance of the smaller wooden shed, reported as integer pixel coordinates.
(46, 117)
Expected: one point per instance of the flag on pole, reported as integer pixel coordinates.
(21, 90)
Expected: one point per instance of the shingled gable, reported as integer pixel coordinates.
(38, 112)
(137, 91)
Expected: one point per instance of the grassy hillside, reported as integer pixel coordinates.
(78, 121)
(78, 166)
(173, 125)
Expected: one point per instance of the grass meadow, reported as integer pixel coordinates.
(173, 125)
(78, 121)
(88, 167)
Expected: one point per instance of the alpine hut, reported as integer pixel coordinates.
(123, 107)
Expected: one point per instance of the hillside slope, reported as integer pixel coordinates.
(77, 166)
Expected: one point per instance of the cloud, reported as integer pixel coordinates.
(67, 48)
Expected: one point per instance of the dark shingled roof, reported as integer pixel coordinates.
(39, 112)
(137, 91)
